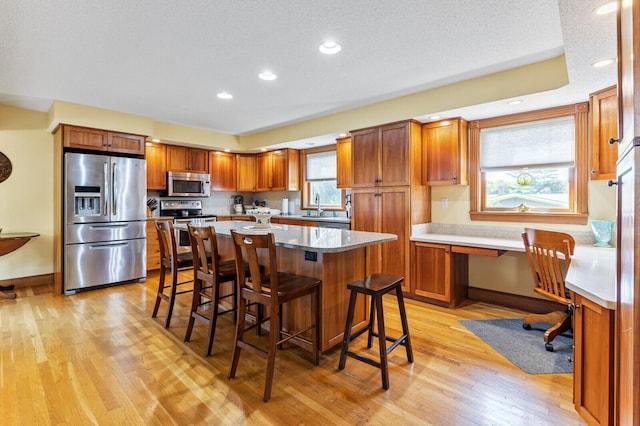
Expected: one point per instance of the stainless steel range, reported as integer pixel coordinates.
(184, 211)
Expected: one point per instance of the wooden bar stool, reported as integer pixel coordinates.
(271, 290)
(170, 261)
(376, 286)
(209, 273)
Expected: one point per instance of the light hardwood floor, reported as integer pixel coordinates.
(99, 358)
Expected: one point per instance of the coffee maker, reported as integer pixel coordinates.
(238, 201)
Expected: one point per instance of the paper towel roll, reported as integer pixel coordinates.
(285, 206)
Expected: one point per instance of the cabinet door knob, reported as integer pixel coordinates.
(613, 140)
(455, 179)
(611, 183)
(594, 172)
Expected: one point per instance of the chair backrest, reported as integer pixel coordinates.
(549, 255)
(204, 247)
(250, 249)
(167, 241)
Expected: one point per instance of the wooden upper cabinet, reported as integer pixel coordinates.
(246, 172)
(222, 168)
(185, 159)
(156, 156)
(386, 155)
(603, 106)
(344, 172)
(365, 157)
(278, 170)
(102, 140)
(125, 143)
(445, 147)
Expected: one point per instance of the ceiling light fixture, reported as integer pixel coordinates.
(155, 140)
(330, 48)
(606, 8)
(224, 95)
(434, 117)
(267, 75)
(227, 150)
(603, 62)
(515, 102)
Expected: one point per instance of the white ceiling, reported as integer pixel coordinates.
(167, 59)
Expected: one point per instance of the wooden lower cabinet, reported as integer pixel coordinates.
(385, 210)
(438, 275)
(153, 247)
(593, 332)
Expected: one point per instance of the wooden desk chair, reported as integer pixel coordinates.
(208, 276)
(549, 255)
(271, 290)
(170, 261)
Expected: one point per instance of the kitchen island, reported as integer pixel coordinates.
(335, 256)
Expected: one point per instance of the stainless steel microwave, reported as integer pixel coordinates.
(183, 184)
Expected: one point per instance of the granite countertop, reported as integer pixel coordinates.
(321, 240)
(339, 219)
(592, 272)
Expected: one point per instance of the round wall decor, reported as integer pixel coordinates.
(5, 167)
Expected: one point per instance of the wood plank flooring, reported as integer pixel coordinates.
(99, 358)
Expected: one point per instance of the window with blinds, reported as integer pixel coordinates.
(531, 166)
(320, 184)
(527, 166)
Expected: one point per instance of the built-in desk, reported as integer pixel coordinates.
(591, 277)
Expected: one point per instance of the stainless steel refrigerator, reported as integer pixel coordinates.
(105, 237)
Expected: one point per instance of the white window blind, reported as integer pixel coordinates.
(321, 166)
(539, 144)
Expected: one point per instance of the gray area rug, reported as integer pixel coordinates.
(525, 348)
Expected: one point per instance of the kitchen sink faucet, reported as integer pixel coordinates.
(319, 210)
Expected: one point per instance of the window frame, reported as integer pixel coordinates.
(578, 175)
(307, 203)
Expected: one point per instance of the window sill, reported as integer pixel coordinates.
(568, 218)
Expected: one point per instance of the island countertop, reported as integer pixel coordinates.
(320, 240)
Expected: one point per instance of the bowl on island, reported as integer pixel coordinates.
(263, 216)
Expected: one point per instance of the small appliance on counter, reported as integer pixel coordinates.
(238, 201)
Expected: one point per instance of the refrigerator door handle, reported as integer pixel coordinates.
(105, 174)
(114, 192)
(112, 226)
(106, 246)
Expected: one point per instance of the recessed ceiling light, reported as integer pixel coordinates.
(267, 75)
(606, 8)
(224, 95)
(330, 48)
(603, 62)
(515, 102)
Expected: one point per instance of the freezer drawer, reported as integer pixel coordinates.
(95, 264)
(108, 231)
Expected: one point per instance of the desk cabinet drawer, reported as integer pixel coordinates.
(438, 275)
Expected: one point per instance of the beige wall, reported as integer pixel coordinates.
(510, 272)
(26, 197)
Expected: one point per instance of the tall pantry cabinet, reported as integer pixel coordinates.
(387, 194)
(627, 314)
